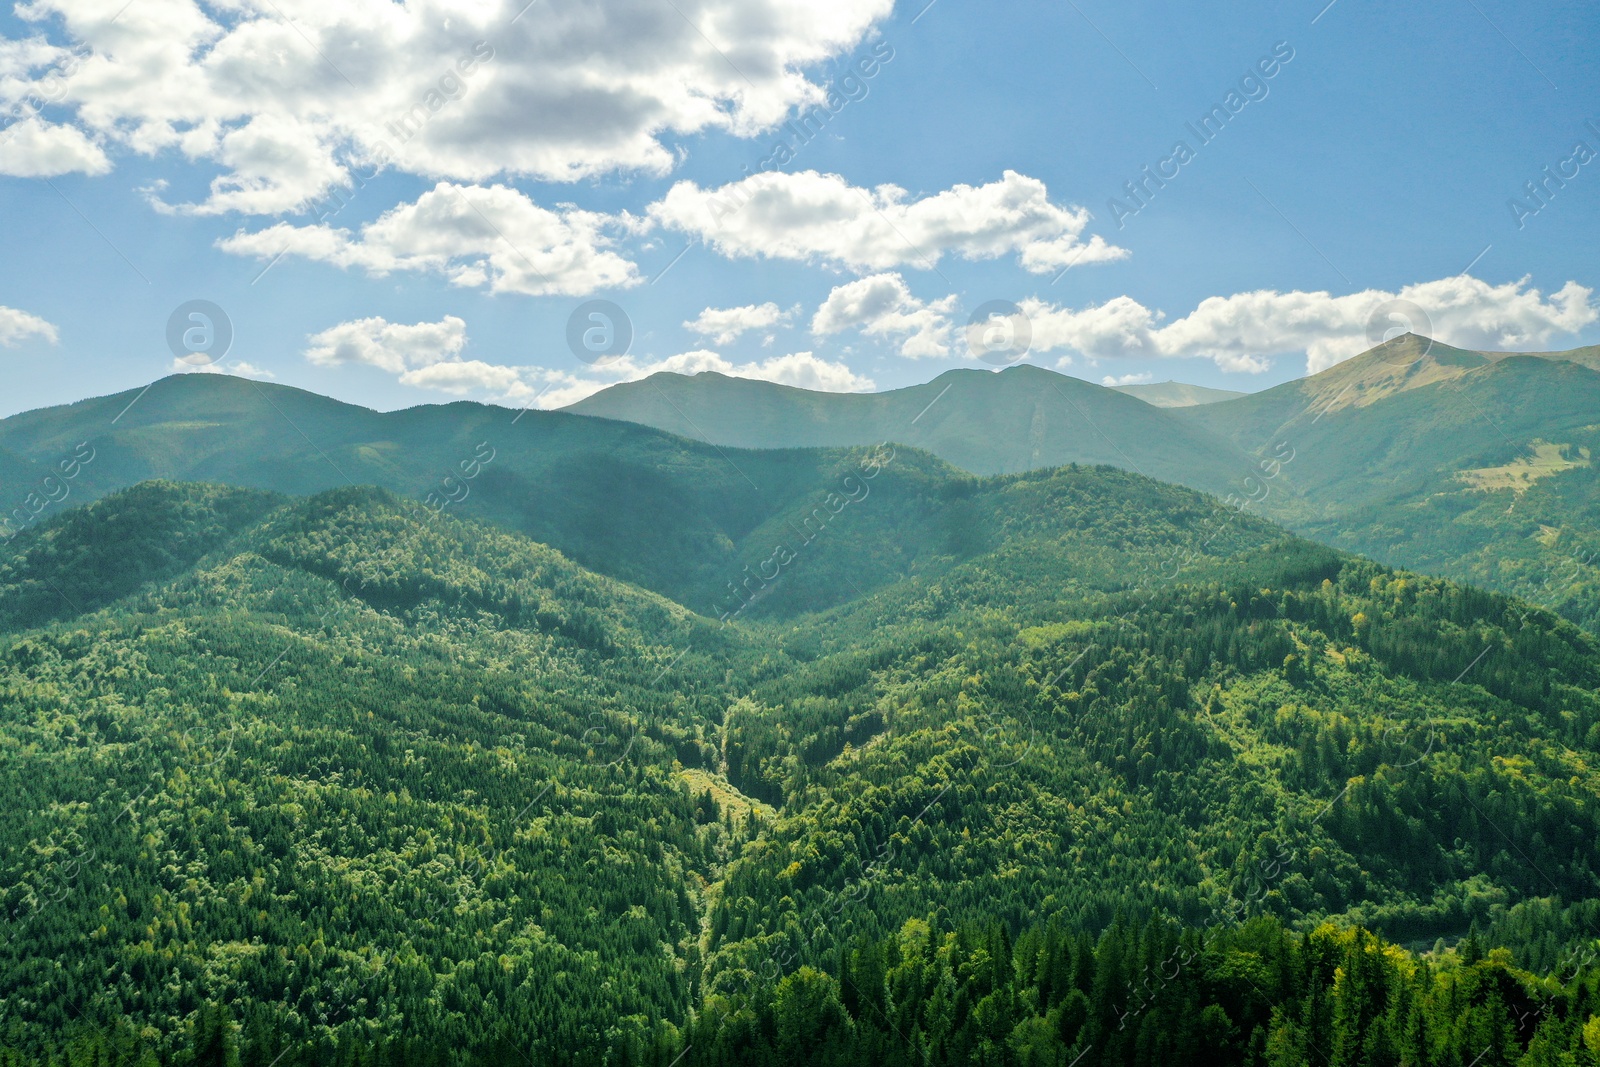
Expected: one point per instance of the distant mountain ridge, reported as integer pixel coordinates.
(1473, 465)
(1376, 454)
(987, 422)
(631, 502)
(1177, 394)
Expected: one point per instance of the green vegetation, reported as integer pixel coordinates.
(1415, 453)
(1145, 995)
(1384, 455)
(1519, 475)
(1019, 419)
(348, 779)
(341, 780)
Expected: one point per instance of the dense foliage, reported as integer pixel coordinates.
(344, 781)
(1155, 994)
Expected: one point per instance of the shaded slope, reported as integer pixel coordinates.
(89, 557)
(629, 501)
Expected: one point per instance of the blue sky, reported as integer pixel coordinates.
(1378, 162)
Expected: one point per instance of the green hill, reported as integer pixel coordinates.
(1458, 464)
(338, 780)
(1465, 464)
(644, 506)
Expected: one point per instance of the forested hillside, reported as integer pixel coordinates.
(637, 504)
(1153, 994)
(1470, 465)
(345, 780)
(1478, 466)
(1485, 476)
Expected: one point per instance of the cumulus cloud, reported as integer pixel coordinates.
(460, 377)
(1241, 331)
(427, 355)
(292, 97)
(33, 148)
(473, 236)
(724, 326)
(391, 346)
(805, 371)
(17, 326)
(1113, 380)
(881, 305)
(814, 217)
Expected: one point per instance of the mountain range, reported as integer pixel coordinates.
(1473, 465)
(463, 735)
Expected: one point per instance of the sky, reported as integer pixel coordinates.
(526, 202)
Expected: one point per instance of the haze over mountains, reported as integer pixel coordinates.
(1470, 464)
(464, 735)
(1466, 464)
(1176, 394)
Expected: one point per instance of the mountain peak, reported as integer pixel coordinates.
(1408, 361)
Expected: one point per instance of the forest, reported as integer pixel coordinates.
(1112, 772)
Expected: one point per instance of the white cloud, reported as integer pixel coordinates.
(1111, 381)
(472, 235)
(391, 346)
(461, 377)
(426, 355)
(881, 305)
(815, 217)
(724, 326)
(290, 97)
(17, 326)
(1241, 331)
(805, 371)
(33, 148)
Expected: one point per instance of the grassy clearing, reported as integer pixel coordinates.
(726, 796)
(1519, 474)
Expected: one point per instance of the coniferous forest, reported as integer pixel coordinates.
(1111, 773)
(799, 533)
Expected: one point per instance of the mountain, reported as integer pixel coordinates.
(1470, 465)
(1473, 465)
(1177, 394)
(638, 504)
(340, 780)
(987, 422)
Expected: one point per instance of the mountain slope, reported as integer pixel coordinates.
(1466, 464)
(1484, 473)
(110, 549)
(1018, 419)
(372, 781)
(359, 768)
(634, 503)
